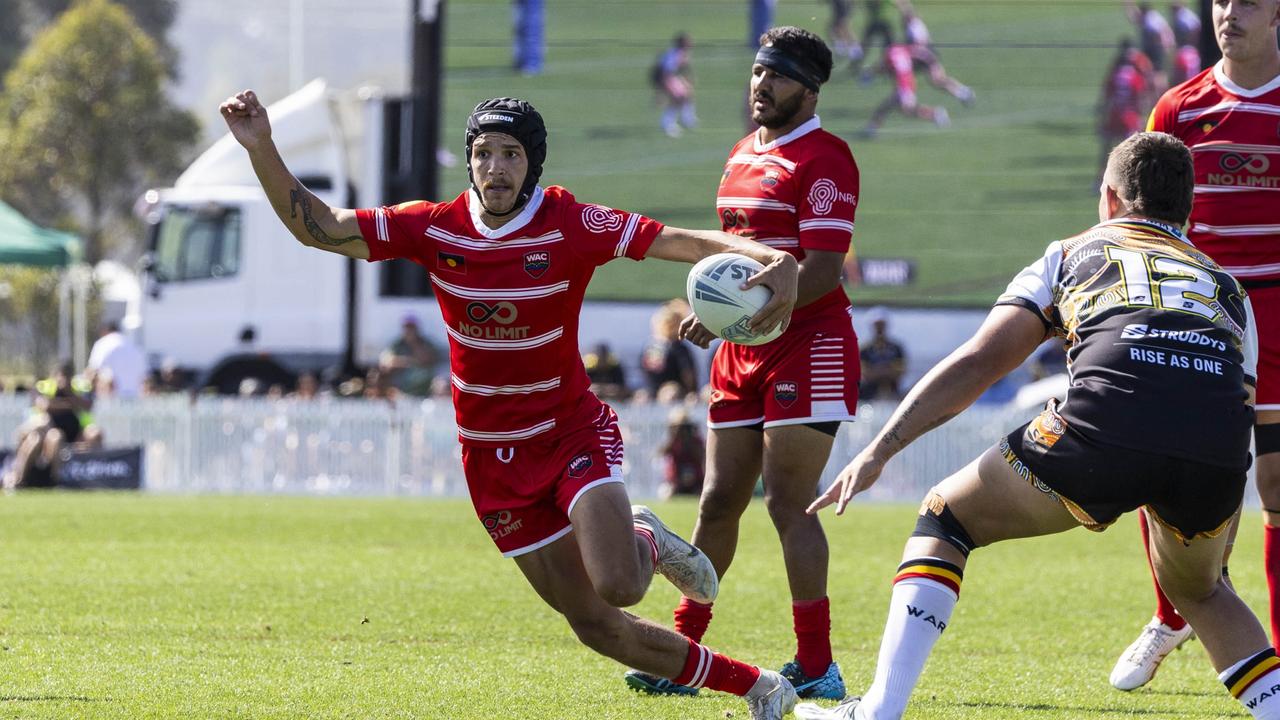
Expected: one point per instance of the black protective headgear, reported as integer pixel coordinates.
(521, 121)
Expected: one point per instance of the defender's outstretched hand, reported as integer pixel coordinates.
(857, 476)
(247, 119)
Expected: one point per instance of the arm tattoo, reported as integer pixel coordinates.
(893, 435)
(301, 196)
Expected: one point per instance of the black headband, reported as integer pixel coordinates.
(789, 66)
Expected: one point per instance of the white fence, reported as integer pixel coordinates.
(362, 447)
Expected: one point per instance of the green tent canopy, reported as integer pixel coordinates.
(22, 242)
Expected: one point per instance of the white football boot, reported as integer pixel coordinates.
(1139, 662)
(687, 567)
(846, 710)
(771, 698)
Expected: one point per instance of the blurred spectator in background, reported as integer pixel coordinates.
(119, 364)
(1186, 36)
(899, 62)
(308, 387)
(883, 361)
(666, 358)
(684, 453)
(61, 420)
(410, 361)
(608, 381)
(672, 78)
(378, 387)
(528, 46)
(1155, 37)
(170, 378)
(1125, 99)
(761, 20)
(843, 44)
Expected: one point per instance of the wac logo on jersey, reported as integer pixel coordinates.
(786, 392)
(536, 263)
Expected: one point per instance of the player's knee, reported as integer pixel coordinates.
(938, 521)
(620, 588)
(718, 504)
(785, 510)
(1187, 590)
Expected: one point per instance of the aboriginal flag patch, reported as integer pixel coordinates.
(451, 263)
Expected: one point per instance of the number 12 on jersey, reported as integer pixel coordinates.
(1180, 288)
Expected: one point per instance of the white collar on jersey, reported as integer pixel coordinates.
(1221, 76)
(517, 222)
(809, 126)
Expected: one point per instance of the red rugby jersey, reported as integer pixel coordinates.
(510, 299)
(1234, 136)
(798, 192)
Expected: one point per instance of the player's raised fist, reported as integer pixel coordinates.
(247, 119)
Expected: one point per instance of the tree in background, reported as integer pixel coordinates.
(85, 126)
(21, 19)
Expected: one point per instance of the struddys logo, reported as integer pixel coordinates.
(1247, 170)
(536, 263)
(501, 524)
(785, 393)
(579, 465)
(770, 179)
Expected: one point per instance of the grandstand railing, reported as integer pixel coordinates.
(364, 447)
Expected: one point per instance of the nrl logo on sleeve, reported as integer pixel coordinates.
(824, 195)
(601, 219)
(785, 393)
(536, 263)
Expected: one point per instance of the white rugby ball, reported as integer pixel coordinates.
(719, 302)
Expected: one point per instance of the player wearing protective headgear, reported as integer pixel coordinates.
(509, 262)
(775, 408)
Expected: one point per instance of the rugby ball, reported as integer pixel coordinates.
(721, 304)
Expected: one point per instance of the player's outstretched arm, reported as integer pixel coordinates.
(780, 274)
(310, 220)
(1007, 337)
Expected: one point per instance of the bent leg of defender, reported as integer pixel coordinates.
(1191, 574)
(984, 503)
(558, 574)
(1267, 447)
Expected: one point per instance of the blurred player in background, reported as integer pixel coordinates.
(1158, 335)
(509, 262)
(673, 80)
(775, 408)
(1229, 115)
(1155, 37)
(926, 58)
(1186, 38)
(1125, 98)
(843, 44)
(900, 63)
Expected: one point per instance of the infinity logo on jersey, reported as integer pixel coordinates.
(580, 465)
(1255, 163)
(733, 218)
(500, 524)
(601, 219)
(785, 393)
(503, 313)
(824, 195)
(536, 263)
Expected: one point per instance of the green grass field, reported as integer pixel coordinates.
(972, 204)
(135, 606)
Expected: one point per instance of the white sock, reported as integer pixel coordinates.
(924, 594)
(1255, 682)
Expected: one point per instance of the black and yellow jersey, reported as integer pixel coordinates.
(1160, 340)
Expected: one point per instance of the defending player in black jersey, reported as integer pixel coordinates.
(1162, 354)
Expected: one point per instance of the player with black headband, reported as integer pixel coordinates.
(509, 261)
(775, 408)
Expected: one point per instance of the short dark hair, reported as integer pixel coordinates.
(1153, 174)
(801, 43)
